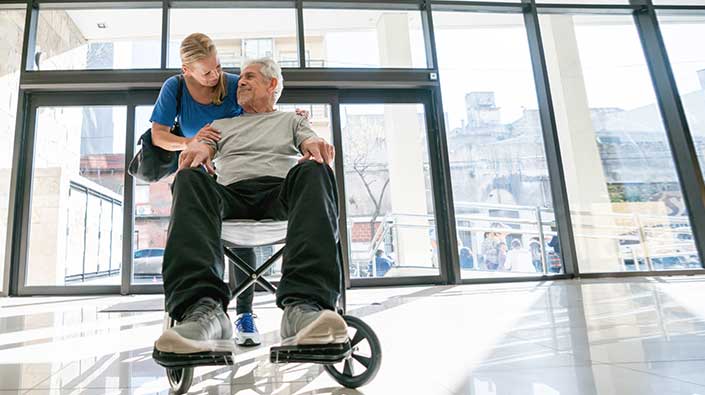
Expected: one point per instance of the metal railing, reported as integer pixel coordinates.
(642, 239)
(84, 187)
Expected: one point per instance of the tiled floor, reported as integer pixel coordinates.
(627, 336)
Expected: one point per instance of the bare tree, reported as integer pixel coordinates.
(364, 143)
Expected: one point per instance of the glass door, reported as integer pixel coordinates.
(73, 194)
(389, 198)
(88, 224)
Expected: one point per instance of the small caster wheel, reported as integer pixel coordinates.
(365, 358)
(180, 379)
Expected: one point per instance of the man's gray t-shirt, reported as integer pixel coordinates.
(259, 144)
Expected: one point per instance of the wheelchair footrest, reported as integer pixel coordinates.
(322, 354)
(210, 358)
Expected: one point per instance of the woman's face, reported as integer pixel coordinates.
(205, 71)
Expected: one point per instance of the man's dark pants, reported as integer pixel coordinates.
(193, 259)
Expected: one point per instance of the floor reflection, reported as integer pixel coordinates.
(627, 336)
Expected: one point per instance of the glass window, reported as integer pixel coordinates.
(688, 64)
(258, 48)
(390, 216)
(12, 30)
(625, 197)
(238, 33)
(141, 194)
(77, 195)
(364, 38)
(152, 213)
(319, 117)
(78, 39)
(501, 188)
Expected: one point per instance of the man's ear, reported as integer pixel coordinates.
(272, 85)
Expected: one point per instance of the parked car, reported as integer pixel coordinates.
(148, 262)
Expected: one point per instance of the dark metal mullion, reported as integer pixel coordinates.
(428, 33)
(363, 4)
(674, 119)
(21, 225)
(318, 78)
(396, 281)
(559, 192)
(165, 33)
(128, 208)
(440, 168)
(340, 180)
(30, 37)
(300, 34)
(591, 9)
(463, 6)
(685, 10)
(16, 200)
(446, 226)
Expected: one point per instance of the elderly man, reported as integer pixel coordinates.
(258, 178)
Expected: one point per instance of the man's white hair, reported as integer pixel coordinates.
(269, 69)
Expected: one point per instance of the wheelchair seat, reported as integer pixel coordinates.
(246, 233)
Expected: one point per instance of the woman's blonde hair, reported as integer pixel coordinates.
(198, 46)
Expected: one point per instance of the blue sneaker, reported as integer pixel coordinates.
(246, 331)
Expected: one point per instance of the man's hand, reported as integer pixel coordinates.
(318, 149)
(197, 154)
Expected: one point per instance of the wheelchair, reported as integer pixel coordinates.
(338, 359)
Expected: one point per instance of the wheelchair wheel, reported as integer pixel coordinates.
(180, 379)
(366, 358)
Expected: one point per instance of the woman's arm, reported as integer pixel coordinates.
(162, 137)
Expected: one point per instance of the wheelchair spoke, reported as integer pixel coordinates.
(357, 338)
(365, 361)
(348, 370)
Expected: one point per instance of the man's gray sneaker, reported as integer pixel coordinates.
(205, 327)
(309, 324)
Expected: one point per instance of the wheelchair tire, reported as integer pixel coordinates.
(363, 341)
(180, 379)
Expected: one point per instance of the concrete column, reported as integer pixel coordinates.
(405, 152)
(584, 172)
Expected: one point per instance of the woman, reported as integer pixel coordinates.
(207, 94)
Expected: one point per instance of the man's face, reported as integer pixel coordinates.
(206, 71)
(253, 87)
